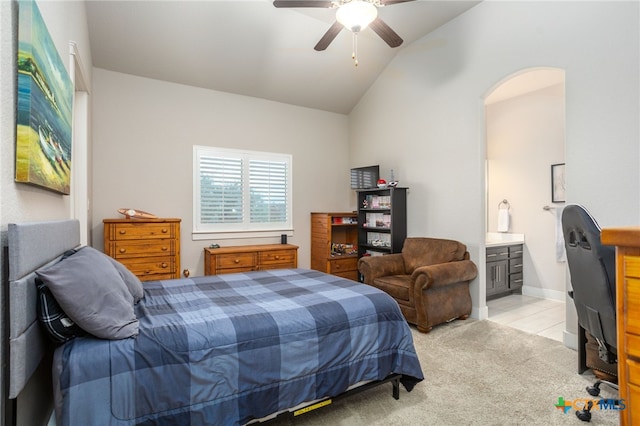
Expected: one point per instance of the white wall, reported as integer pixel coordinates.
(525, 135)
(424, 116)
(144, 131)
(66, 21)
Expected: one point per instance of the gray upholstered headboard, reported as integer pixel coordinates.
(31, 246)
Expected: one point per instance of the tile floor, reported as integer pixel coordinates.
(544, 317)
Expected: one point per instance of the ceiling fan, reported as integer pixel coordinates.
(355, 15)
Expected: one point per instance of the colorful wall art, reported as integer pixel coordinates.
(45, 102)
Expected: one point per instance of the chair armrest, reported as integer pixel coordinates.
(372, 267)
(443, 274)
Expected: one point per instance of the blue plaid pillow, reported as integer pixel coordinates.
(57, 325)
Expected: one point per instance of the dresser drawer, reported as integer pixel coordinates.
(276, 257)
(124, 249)
(236, 260)
(497, 253)
(133, 231)
(350, 275)
(632, 266)
(152, 268)
(343, 265)
(515, 251)
(632, 308)
(632, 343)
(633, 372)
(515, 265)
(633, 405)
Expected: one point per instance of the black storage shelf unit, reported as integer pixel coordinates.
(382, 220)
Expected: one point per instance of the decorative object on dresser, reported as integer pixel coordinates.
(627, 242)
(382, 220)
(150, 248)
(504, 270)
(136, 214)
(224, 260)
(429, 280)
(334, 244)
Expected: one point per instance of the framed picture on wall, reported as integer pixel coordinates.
(45, 103)
(557, 183)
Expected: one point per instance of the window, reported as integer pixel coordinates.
(240, 191)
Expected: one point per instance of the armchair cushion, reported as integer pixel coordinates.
(430, 251)
(396, 286)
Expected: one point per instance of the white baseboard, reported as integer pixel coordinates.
(480, 313)
(570, 340)
(544, 293)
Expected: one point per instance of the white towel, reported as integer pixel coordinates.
(561, 253)
(503, 220)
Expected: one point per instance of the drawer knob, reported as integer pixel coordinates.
(165, 230)
(277, 257)
(123, 250)
(236, 261)
(164, 248)
(164, 265)
(337, 266)
(122, 232)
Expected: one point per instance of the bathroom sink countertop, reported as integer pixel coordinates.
(503, 238)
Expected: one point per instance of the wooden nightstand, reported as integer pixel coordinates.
(150, 248)
(249, 258)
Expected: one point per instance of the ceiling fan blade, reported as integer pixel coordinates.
(390, 2)
(328, 37)
(386, 33)
(301, 3)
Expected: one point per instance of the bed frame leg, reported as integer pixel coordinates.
(396, 388)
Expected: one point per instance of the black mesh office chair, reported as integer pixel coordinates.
(592, 269)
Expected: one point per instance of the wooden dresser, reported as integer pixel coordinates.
(627, 242)
(150, 248)
(259, 257)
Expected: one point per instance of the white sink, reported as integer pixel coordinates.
(502, 238)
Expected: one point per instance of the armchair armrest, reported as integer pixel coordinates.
(372, 267)
(443, 274)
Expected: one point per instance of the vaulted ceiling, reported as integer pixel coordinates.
(250, 47)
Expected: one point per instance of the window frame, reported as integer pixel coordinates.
(202, 231)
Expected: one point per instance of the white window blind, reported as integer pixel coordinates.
(241, 191)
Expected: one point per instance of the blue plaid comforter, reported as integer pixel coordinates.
(226, 349)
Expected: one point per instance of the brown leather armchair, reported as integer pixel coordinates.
(429, 280)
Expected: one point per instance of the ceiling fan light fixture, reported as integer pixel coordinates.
(356, 15)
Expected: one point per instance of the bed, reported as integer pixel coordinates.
(223, 349)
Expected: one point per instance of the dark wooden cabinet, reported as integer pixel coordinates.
(382, 221)
(504, 270)
(334, 243)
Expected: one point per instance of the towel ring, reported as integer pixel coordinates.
(504, 203)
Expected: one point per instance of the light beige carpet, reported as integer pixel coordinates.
(476, 373)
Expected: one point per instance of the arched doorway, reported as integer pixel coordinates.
(525, 133)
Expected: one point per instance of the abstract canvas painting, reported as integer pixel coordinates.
(45, 102)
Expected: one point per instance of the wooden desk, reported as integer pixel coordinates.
(627, 242)
(249, 258)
